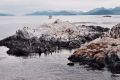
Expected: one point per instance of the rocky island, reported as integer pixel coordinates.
(103, 52)
(50, 37)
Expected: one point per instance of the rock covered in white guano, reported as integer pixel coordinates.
(25, 33)
(62, 30)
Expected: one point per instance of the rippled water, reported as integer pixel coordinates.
(48, 67)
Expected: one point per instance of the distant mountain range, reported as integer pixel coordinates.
(104, 11)
(5, 14)
(50, 12)
(97, 11)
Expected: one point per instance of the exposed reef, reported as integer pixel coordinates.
(102, 52)
(50, 37)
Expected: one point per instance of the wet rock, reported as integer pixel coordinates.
(70, 64)
(117, 67)
(18, 52)
(96, 66)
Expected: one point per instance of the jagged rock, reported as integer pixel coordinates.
(114, 32)
(101, 52)
(49, 37)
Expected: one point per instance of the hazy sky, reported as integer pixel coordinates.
(26, 6)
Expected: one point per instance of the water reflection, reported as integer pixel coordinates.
(48, 67)
(57, 51)
(48, 51)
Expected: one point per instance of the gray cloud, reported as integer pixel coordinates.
(24, 6)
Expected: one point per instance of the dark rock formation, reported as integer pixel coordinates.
(24, 47)
(102, 52)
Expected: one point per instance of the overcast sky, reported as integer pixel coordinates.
(26, 6)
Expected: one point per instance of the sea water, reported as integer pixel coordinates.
(53, 66)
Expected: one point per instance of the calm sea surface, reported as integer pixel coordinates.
(52, 66)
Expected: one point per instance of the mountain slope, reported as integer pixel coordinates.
(6, 14)
(63, 12)
(99, 11)
(116, 10)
